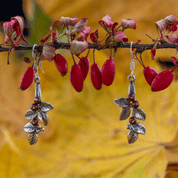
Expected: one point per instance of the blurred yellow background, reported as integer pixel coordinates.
(84, 137)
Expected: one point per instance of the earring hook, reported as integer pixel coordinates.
(132, 64)
(33, 50)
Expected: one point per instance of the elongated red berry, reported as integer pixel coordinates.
(76, 77)
(27, 78)
(61, 64)
(84, 65)
(149, 74)
(108, 72)
(96, 77)
(162, 80)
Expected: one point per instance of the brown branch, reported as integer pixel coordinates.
(61, 45)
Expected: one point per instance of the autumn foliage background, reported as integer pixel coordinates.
(84, 137)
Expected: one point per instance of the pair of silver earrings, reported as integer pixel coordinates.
(131, 102)
(39, 109)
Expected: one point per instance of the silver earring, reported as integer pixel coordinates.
(131, 102)
(38, 109)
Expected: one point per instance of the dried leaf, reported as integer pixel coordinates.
(132, 137)
(139, 114)
(125, 113)
(122, 102)
(48, 52)
(45, 106)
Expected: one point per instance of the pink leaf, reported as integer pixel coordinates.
(106, 22)
(128, 24)
(120, 36)
(43, 40)
(153, 52)
(161, 24)
(94, 36)
(69, 21)
(173, 38)
(18, 27)
(80, 26)
(174, 60)
(84, 34)
(77, 47)
(53, 35)
(171, 19)
(48, 52)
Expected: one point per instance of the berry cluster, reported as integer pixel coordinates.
(159, 81)
(77, 34)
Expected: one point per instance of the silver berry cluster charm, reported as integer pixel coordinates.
(38, 112)
(137, 113)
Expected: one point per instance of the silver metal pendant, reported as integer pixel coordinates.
(38, 112)
(137, 113)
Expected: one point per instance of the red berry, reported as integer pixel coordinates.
(61, 64)
(27, 60)
(149, 74)
(131, 97)
(135, 104)
(96, 76)
(162, 80)
(37, 100)
(27, 78)
(34, 107)
(34, 121)
(132, 120)
(108, 72)
(84, 67)
(76, 77)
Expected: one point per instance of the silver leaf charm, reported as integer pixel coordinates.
(29, 128)
(129, 127)
(44, 118)
(132, 137)
(39, 128)
(31, 114)
(139, 128)
(122, 102)
(45, 106)
(125, 113)
(139, 114)
(32, 138)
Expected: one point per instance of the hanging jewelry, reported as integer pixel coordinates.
(38, 109)
(131, 102)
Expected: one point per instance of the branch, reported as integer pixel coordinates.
(61, 45)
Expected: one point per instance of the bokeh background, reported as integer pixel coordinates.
(84, 138)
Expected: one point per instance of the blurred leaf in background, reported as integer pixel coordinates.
(84, 137)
